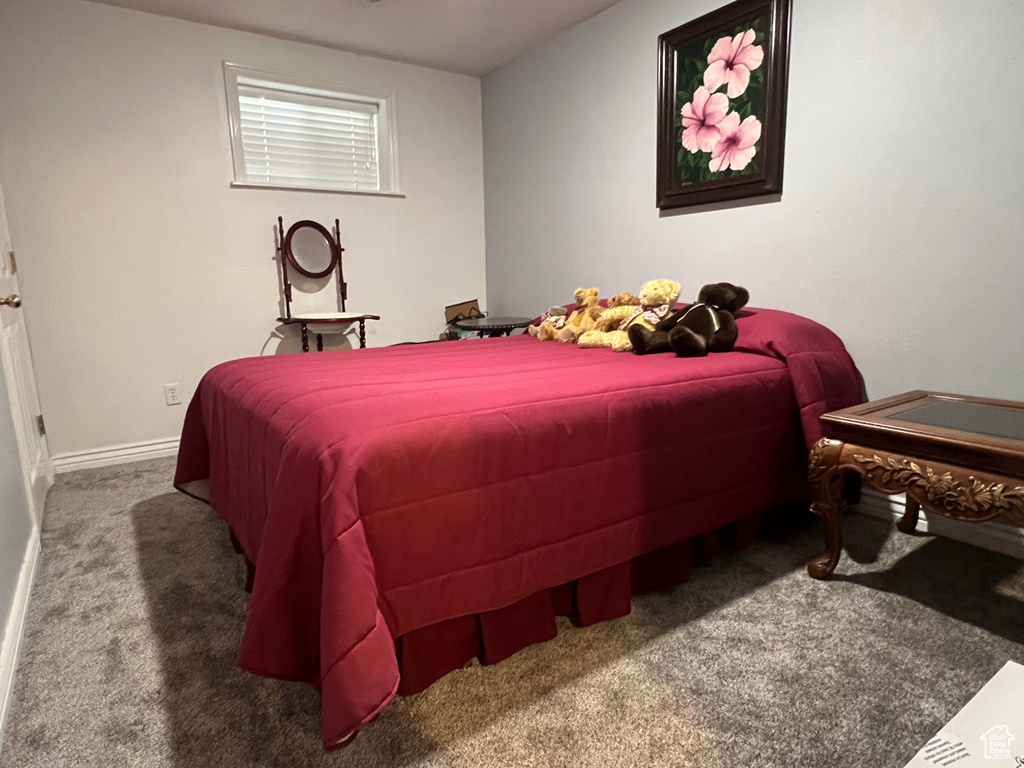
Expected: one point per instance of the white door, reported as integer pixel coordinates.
(16, 526)
(29, 430)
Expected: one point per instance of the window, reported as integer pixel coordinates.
(304, 135)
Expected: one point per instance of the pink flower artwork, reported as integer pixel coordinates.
(700, 117)
(736, 147)
(731, 61)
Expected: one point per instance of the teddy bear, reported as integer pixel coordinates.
(707, 326)
(585, 298)
(657, 297)
(595, 315)
(556, 315)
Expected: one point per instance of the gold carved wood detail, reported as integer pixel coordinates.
(955, 492)
(816, 462)
(950, 491)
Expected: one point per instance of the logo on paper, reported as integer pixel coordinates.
(998, 743)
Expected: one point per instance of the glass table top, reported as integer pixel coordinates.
(980, 418)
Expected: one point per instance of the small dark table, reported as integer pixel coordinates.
(492, 326)
(961, 457)
(328, 318)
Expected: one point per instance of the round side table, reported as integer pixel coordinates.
(492, 326)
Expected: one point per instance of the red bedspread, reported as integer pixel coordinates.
(380, 491)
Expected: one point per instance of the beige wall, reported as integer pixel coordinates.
(902, 221)
(140, 266)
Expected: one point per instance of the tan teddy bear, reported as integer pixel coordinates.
(594, 316)
(657, 298)
(585, 299)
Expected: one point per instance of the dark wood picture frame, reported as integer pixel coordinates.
(762, 173)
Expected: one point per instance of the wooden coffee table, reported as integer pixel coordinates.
(962, 457)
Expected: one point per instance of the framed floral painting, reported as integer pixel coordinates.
(722, 104)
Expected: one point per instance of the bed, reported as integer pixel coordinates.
(409, 507)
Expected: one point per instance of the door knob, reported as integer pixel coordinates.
(13, 301)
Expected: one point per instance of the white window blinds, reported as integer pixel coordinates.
(292, 139)
(287, 133)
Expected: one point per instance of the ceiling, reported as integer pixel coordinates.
(467, 36)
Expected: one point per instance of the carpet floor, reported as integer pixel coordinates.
(138, 610)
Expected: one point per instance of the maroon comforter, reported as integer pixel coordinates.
(384, 490)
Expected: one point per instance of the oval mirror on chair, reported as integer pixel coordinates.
(311, 249)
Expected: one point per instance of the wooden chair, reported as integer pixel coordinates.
(314, 252)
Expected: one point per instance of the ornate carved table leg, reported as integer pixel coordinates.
(826, 478)
(305, 338)
(908, 523)
(362, 334)
(319, 343)
(957, 492)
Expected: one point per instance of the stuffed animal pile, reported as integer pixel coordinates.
(649, 323)
(588, 314)
(657, 297)
(552, 326)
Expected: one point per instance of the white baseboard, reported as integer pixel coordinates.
(115, 454)
(40, 481)
(15, 629)
(993, 536)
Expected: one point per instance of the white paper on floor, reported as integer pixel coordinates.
(987, 733)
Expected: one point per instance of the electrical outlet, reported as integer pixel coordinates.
(172, 394)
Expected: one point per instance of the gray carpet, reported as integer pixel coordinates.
(138, 609)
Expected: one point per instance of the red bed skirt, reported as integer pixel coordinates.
(428, 654)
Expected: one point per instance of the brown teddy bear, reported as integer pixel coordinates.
(707, 326)
(657, 297)
(585, 298)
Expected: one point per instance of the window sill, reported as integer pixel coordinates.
(334, 190)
